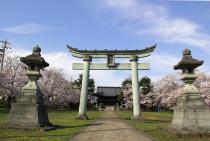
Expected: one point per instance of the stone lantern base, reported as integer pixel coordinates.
(192, 115)
(27, 113)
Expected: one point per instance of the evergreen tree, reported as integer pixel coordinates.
(145, 85)
(126, 82)
(120, 98)
(91, 86)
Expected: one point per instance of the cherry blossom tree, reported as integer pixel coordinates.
(12, 79)
(167, 90)
(164, 93)
(126, 90)
(203, 84)
(58, 92)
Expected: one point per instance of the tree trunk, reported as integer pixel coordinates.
(9, 99)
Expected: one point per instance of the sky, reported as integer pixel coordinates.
(109, 24)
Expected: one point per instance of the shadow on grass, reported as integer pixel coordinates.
(57, 128)
(156, 121)
(150, 120)
(33, 136)
(76, 126)
(4, 110)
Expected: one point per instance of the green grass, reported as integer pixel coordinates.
(66, 119)
(153, 121)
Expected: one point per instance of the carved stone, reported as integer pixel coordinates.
(29, 110)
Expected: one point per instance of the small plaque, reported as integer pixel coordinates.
(110, 61)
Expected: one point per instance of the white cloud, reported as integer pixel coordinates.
(17, 51)
(162, 62)
(141, 17)
(107, 77)
(160, 65)
(63, 61)
(59, 60)
(28, 28)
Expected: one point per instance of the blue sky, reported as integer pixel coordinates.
(109, 24)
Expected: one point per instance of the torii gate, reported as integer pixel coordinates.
(87, 56)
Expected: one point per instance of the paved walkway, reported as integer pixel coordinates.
(110, 128)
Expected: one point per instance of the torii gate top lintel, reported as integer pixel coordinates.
(87, 55)
(116, 53)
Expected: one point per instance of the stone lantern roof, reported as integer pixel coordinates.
(188, 64)
(35, 60)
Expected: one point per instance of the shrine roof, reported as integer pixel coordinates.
(108, 91)
(117, 53)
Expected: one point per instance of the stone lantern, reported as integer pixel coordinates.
(192, 114)
(29, 110)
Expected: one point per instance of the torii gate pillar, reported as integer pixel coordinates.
(135, 87)
(84, 89)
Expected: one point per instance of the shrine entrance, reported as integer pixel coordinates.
(110, 55)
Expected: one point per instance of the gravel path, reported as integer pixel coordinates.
(110, 128)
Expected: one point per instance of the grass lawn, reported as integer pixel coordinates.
(153, 120)
(64, 118)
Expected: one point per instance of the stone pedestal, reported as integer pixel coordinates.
(27, 113)
(192, 114)
(24, 112)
